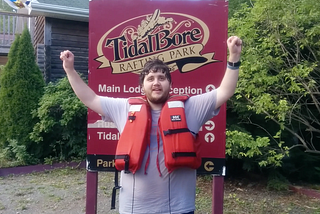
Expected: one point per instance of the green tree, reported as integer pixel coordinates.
(21, 88)
(5, 84)
(235, 5)
(279, 76)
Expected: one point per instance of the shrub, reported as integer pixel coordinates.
(21, 87)
(61, 131)
(255, 153)
(15, 154)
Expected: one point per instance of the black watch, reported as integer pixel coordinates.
(234, 64)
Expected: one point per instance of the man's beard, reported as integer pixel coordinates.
(159, 100)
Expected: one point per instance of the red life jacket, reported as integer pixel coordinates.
(180, 147)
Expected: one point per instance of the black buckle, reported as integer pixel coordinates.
(183, 154)
(175, 131)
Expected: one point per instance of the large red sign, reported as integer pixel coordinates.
(190, 36)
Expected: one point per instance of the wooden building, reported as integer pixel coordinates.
(59, 25)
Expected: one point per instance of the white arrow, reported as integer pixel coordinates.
(210, 125)
(210, 87)
(209, 137)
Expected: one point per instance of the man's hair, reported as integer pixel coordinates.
(155, 65)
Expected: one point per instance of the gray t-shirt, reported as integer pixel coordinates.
(170, 193)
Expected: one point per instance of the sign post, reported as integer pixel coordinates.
(190, 36)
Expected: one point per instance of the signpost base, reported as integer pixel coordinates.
(91, 192)
(217, 194)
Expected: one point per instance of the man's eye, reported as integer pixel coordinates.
(162, 78)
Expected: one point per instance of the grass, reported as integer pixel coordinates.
(254, 198)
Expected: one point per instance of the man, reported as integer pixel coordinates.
(152, 189)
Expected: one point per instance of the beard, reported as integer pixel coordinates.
(158, 100)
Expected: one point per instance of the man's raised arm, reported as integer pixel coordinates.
(230, 79)
(87, 96)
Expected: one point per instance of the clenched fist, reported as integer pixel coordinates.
(68, 60)
(234, 45)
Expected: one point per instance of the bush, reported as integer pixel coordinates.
(255, 153)
(15, 154)
(277, 182)
(62, 128)
(21, 88)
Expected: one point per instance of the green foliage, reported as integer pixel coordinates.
(235, 5)
(254, 152)
(61, 130)
(279, 80)
(6, 81)
(21, 87)
(277, 182)
(14, 154)
(278, 185)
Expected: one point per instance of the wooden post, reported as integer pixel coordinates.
(217, 194)
(92, 192)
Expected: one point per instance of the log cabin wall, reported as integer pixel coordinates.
(59, 35)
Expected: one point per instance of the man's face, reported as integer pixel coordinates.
(156, 87)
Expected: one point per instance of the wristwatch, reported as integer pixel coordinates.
(234, 64)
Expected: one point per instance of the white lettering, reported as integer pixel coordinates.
(105, 88)
(132, 90)
(186, 90)
(108, 136)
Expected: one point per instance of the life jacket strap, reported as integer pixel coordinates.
(175, 131)
(126, 159)
(114, 190)
(183, 154)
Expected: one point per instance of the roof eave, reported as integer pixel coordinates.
(61, 12)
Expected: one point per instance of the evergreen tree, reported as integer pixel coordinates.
(21, 88)
(5, 82)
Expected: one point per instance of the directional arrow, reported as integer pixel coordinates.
(210, 87)
(209, 137)
(208, 166)
(210, 125)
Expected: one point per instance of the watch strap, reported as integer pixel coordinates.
(234, 64)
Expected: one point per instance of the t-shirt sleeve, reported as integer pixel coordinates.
(115, 110)
(200, 108)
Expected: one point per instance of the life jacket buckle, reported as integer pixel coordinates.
(126, 164)
(132, 117)
(183, 154)
(126, 159)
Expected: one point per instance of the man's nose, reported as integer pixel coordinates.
(156, 81)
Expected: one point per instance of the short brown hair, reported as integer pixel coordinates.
(155, 65)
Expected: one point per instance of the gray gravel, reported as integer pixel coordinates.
(56, 191)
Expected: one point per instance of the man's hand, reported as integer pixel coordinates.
(68, 60)
(234, 45)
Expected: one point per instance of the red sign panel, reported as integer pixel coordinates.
(190, 36)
